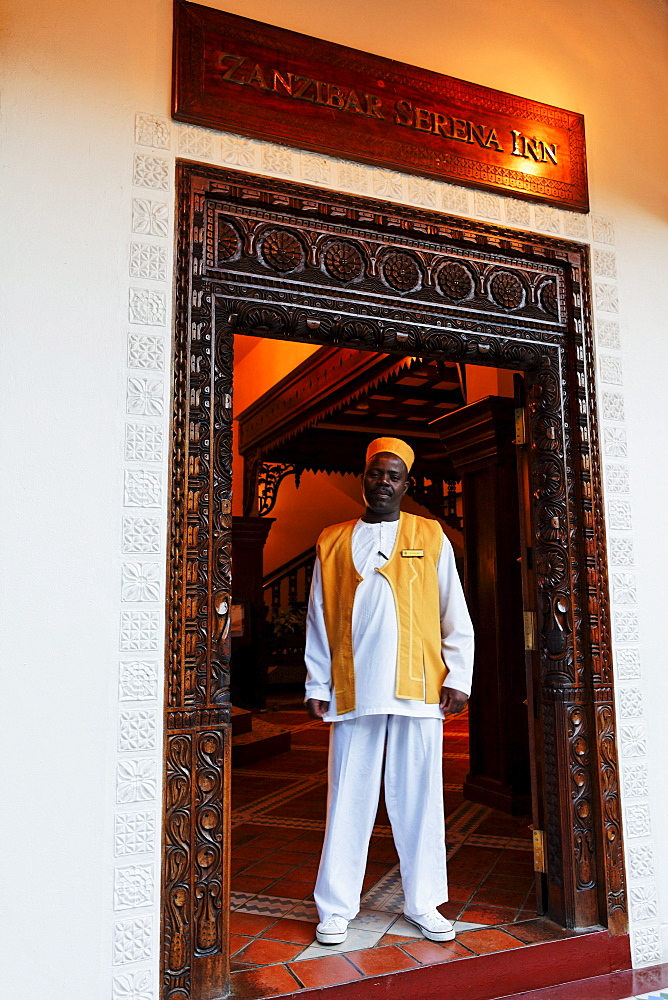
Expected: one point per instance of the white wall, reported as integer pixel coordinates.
(80, 903)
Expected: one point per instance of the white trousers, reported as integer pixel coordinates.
(414, 800)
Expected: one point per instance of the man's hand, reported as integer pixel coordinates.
(452, 701)
(316, 709)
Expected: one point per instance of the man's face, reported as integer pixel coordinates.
(384, 483)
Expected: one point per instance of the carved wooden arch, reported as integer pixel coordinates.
(275, 259)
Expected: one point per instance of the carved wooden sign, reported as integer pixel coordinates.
(258, 80)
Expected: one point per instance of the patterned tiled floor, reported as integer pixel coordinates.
(278, 823)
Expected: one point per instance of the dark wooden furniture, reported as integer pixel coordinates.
(248, 679)
(479, 440)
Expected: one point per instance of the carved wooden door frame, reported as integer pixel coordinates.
(271, 258)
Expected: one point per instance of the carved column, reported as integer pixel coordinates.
(249, 660)
(479, 442)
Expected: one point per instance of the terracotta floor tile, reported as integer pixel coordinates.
(498, 897)
(265, 952)
(249, 852)
(289, 856)
(308, 874)
(304, 846)
(430, 952)
(488, 914)
(268, 842)
(451, 909)
(327, 971)
(238, 966)
(539, 929)
(291, 889)
(238, 941)
(460, 893)
(248, 923)
(376, 961)
(516, 883)
(249, 883)
(274, 870)
(486, 941)
(293, 931)
(268, 982)
(394, 939)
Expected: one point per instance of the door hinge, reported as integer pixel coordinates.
(529, 630)
(520, 426)
(539, 851)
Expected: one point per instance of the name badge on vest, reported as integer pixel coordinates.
(412, 553)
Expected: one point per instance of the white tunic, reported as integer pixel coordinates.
(375, 632)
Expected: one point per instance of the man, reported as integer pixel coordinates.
(389, 649)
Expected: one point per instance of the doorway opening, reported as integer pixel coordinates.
(299, 475)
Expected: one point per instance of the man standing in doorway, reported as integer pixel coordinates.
(389, 649)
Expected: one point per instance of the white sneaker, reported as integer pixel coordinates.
(334, 930)
(433, 926)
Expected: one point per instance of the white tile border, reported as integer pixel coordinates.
(134, 936)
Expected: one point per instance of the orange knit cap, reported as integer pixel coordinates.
(395, 446)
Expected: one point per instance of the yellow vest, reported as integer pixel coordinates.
(411, 572)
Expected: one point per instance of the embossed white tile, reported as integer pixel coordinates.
(627, 626)
(575, 225)
(606, 297)
(646, 946)
(422, 192)
(133, 940)
(143, 443)
(145, 396)
(133, 886)
(455, 199)
(641, 861)
(617, 478)
(630, 703)
(314, 168)
(612, 405)
(147, 307)
(352, 176)
(196, 142)
(133, 986)
(136, 780)
(644, 904)
(607, 334)
(278, 160)
(143, 489)
(619, 512)
(236, 150)
(150, 218)
(636, 780)
(141, 534)
(603, 230)
(139, 630)
(137, 730)
(624, 588)
(387, 184)
(487, 205)
(137, 680)
(614, 442)
(134, 833)
(151, 172)
(146, 351)
(152, 131)
(633, 740)
(621, 550)
(611, 369)
(547, 219)
(148, 260)
(605, 264)
(628, 663)
(518, 213)
(141, 581)
(638, 822)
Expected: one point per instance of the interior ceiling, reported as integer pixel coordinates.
(397, 397)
